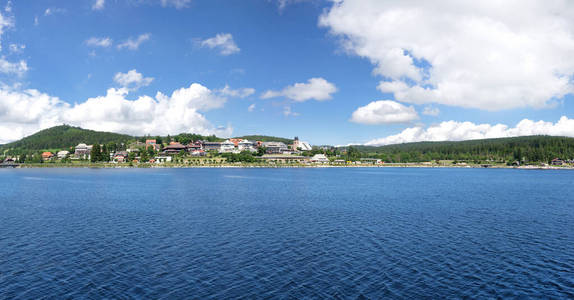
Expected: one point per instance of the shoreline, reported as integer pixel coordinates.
(163, 166)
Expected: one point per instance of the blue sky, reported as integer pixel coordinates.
(328, 72)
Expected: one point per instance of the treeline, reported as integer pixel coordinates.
(64, 137)
(521, 149)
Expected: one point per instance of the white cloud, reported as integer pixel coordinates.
(222, 41)
(134, 44)
(489, 55)
(431, 111)
(384, 112)
(53, 11)
(459, 131)
(98, 4)
(283, 3)
(16, 48)
(239, 93)
(315, 89)
(99, 42)
(251, 108)
(5, 23)
(288, 112)
(16, 68)
(132, 80)
(23, 112)
(176, 3)
(8, 7)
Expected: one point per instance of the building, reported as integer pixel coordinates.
(47, 155)
(227, 146)
(211, 146)
(194, 146)
(284, 158)
(236, 141)
(63, 154)
(197, 153)
(162, 159)
(174, 148)
(300, 145)
(319, 158)
(121, 156)
(82, 151)
(275, 147)
(557, 162)
(246, 145)
(152, 144)
(374, 161)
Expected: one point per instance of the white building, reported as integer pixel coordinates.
(246, 145)
(304, 146)
(63, 154)
(319, 158)
(227, 147)
(162, 159)
(83, 151)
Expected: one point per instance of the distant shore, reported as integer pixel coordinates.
(245, 165)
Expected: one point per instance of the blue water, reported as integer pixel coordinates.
(286, 233)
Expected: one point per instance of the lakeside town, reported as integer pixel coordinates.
(154, 152)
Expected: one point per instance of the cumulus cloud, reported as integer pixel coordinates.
(238, 93)
(134, 43)
(99, 42)
(384, 112)
(14, 68)
(176, 3)
(98, 4)
(132, 80)
(23, 112)
(315, 89)
(490, 55)
(223, 42)
(459, 131)
(251, 107)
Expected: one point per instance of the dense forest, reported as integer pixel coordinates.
(521, 149)
(64, 136)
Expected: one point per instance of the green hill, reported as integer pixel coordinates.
(527, 148)
(65, 136)
(265, 138)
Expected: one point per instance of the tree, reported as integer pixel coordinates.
(105, 154)
(144, 157)
(96, 153)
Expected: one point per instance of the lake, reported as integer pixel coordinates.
(342, 233)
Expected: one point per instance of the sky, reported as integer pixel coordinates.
(333, 72)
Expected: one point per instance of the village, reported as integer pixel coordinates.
(200, 152)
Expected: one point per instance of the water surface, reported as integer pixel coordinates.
(286, 233)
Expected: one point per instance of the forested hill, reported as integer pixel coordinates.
(528, 148)
(65, 136)
(266, 138)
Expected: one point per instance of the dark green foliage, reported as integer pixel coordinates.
(96, 153)
(186, 138)
(64, 137)
(529, 149)
(244, 156)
